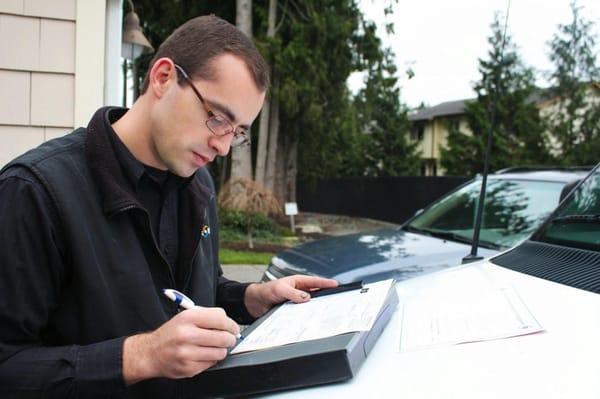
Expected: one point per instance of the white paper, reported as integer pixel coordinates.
(320, 317)
(479, 315)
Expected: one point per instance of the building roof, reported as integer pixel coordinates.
(457, 107)
(447, 108)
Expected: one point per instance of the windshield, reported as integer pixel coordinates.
(577, 222)
(513, 209)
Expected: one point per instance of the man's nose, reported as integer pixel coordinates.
(221, 144)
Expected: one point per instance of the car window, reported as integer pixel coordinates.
(577, 222)
(513, 209)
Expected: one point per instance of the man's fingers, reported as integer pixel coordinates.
(311, 282)
(259, 298)
(213, 338)
(213, 319)
(294, 288)
(293, 294)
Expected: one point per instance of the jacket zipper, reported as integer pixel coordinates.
(189, 273)
(172, 278)
(147, 220)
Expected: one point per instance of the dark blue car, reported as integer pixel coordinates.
(517, 201)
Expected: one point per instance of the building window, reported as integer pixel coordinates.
(417, 132)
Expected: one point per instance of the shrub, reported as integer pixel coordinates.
(234, 226)
(248, 204)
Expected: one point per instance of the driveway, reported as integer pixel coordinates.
(244, 273)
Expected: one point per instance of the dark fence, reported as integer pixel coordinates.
(393, 199)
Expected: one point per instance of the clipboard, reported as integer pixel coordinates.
(302, 364)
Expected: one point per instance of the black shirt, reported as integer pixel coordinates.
(157, 190)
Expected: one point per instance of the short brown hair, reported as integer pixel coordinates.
(195, 43)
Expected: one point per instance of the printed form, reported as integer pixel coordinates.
(467, 316)
(320, 317)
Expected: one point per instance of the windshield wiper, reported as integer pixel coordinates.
(576, 219)
(447, 235)
(413, 229)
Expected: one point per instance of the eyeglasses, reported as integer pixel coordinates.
(216, 123)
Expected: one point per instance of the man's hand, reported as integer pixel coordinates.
(261, 297)
(184, 346)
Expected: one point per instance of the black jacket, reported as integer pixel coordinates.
(80, 269)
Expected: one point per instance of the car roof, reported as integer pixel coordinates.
(552, 175)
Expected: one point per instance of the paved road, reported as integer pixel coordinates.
(244, 273)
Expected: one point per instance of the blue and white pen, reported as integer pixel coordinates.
(179, 298)
(183, 300)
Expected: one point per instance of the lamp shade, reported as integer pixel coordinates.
(134, 41)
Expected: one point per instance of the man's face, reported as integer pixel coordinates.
(180, 138)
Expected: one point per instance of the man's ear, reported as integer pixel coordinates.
(162, 74)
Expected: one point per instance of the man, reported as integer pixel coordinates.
(95, 224)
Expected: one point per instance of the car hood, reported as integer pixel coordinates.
(560, 362)
(388, 253)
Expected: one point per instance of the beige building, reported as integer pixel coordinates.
(553, 105)
(430, 125)
(59, 62)
(430, 128)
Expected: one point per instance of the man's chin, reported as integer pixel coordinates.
(184, 171)
(187, 173)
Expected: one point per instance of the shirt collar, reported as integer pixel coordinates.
(133, 169)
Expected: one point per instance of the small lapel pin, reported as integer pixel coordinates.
(205, 231)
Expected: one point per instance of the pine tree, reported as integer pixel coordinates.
(504, 93)
(388, 152)
(461, 156)
(316, 49)
(576, 122)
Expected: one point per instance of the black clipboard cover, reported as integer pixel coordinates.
(302, 364)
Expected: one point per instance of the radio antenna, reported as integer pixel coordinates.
(472, 257)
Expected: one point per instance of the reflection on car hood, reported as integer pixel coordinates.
(389, 253)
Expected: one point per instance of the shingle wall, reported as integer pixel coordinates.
(37, 72)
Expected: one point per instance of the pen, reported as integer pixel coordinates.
(182, 300)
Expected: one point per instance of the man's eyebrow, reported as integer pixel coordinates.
(221, 108)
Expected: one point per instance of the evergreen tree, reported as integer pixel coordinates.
(504, 92)
(576, 122)
(387, 150)
(317, 46)
(462, 154)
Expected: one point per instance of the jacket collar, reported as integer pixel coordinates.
(117, 194)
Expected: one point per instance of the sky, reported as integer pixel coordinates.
(441, 40)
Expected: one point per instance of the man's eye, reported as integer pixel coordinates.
(220, 120)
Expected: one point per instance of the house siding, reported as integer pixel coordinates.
(37, 71)
(45, 80)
